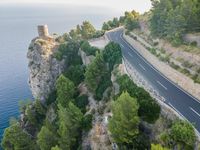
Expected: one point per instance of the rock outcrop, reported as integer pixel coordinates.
(85, 59)
(43, 66)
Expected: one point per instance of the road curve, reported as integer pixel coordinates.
(175, 97)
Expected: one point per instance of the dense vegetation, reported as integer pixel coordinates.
(59, 123)
(125, 118)
(98, 73)
(149, 110)
(173, 18)
(180, 135)
(129, 20)
(85, 31)
(131, 110)
(88, 49)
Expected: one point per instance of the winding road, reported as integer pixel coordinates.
(178, 99)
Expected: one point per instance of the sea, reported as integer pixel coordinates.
(18, 26)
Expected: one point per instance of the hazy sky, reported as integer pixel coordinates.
(121, 5)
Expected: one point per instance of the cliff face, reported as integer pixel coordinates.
(44, 68)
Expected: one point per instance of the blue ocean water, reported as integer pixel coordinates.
(18, 24)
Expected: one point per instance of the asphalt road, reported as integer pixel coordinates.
(174, 96)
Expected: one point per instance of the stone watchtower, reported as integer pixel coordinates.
(43, 31)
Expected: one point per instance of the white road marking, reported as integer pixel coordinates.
(177, 111)
(195, 111)
(142, 67)
(122, 45)
(197, 132)
(161, 85)
(130, 54)
(159, 71)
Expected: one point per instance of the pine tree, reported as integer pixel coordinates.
(46, 139)
(65, 90)
(69, 125)
(124, 123)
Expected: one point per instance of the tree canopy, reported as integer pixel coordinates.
(149, 110)
(180, 134)
(124, 122)
(46, 139)
(173, 18)
(98, 73)
(157, 147)
(15, 138)
(55, 148)
(95, 71)
(69, 125)
(87, 30)
(65, 90)
(112, 54)
(88, 49)
(75, 73)
(131, 20)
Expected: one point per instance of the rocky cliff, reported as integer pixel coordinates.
(44, 68)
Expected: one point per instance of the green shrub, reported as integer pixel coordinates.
(198, 70)
(87, 122)
(194, 43)
(174, 66)
(141, 142)
(153, 51)
(111, 24)
(180, 134)
(81, 102)
(162, 51)
(75, 73)
(164, 58)
(98, 34)
(70, 52)
(196, 78)
(127, 32)
(51, 98)
(187, 64)
(35, 114)
(103, 85)
(131, 22)
(177, 41)
(112, 54)
(88, 49)
(15, 138)
(149, 110)
(58, 55)
(65, 90)
(155, 43)
(185, 71)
